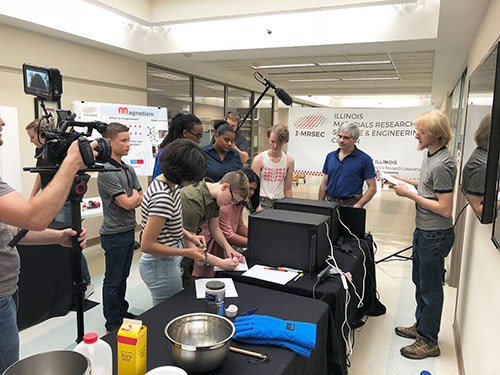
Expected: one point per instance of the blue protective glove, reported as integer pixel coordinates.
(299, 349)
(270, 328)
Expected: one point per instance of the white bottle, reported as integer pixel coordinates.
(98, 352)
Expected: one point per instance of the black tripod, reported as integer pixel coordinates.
(396, 254)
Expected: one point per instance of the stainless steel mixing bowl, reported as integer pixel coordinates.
(199, 342)
(59, 362)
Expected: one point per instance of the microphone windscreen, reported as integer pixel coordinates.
(283, 95)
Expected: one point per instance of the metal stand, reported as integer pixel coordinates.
(253, 107)
(396, 254)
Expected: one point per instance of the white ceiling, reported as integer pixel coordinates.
(421, 62)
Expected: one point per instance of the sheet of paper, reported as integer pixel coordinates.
(230, 287)
(241, 266)
(395, 181)
(278, 277)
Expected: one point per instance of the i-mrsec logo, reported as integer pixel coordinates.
(307, 126)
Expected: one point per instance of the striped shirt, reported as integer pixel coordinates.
(161, 200)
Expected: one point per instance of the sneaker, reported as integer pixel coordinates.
(407, 332)
(90, 289)
(129, 315)
(420, 350)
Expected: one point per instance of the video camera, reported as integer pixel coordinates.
(46, 84)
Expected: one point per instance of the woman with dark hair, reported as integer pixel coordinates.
(183, 125)
(221, 156)
(182, 163)
(232, 225)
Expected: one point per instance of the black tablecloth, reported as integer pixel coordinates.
(45, 283)
(333, 293)
(268, 302)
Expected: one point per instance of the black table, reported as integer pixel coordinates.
(333, 293)
(269, 302)
(45, 283)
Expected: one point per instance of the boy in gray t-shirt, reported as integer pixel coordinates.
(121, 194)
(433, 236)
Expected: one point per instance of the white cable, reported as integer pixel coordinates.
(347, 340)
(360, 304)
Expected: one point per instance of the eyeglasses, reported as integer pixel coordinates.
(347, 138)
(233, 201)
(198, 136)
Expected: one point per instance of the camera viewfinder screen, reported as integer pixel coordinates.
(37, 82)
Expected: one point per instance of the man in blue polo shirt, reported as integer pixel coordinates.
(346, 169)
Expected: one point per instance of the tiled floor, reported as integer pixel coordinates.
(376, 350)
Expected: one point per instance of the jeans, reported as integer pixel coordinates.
(9, 335)
(429, 250)
(162, 274)
(118, 251)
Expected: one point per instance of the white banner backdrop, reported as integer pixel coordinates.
(148, 126)
(386, 134)
(10, 161)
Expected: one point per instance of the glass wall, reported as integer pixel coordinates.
(210, 101)
(208, 105)
(170, 90)
(263, 120)
(239, 101)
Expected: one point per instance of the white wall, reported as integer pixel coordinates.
(88, 74)
(478, 299)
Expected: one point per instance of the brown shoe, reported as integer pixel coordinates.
(407, 332)
(420, 350)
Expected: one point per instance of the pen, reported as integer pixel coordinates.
(282, 269)
(292, 269)
(206, 254)
(249, 312)
(298, 276)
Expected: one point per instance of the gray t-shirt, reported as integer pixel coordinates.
(112, 184)
(9, 258)
(475, 173)
(437, 175)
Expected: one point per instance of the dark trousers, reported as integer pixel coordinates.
(118, 251)
(429, 250)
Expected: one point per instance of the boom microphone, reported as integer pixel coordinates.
(280, 93)
(283, 95)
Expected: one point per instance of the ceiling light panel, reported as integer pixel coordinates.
(278, 66)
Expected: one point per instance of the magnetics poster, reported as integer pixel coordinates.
(147, 127)
(386, 134)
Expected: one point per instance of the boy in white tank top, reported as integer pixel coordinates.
(275, 168)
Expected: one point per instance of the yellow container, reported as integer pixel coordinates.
(132, 348)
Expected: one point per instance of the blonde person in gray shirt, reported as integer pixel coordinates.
(433, 236)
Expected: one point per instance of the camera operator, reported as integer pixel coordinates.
(35, 214)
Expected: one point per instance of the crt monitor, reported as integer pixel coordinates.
(313, 206)
(282, 238)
